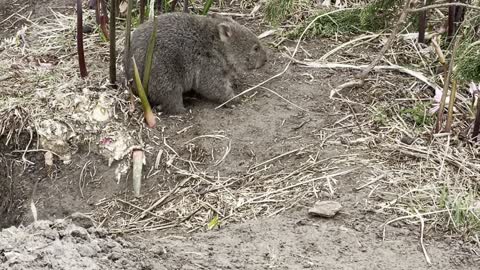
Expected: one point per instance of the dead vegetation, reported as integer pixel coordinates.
(416, 177)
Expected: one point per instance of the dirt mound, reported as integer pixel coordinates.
(61, 244)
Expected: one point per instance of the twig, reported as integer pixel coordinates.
(277, 157)
(256, 86)
(412, 73)
(443, 5)
(6, 19)
(370, 182)
(159, 201)
(300, 184)
(422, 229)
(328, 54)
(446, 84)
(453, 95)
(288, 101)
(389, 43)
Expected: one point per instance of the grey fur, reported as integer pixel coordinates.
(193, 52)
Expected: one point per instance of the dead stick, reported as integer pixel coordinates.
(443, 5)
(387, 46)
(446, 84)
(422, 24)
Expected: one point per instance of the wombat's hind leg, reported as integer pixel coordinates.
(172, 102)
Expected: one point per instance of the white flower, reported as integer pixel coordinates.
(474, 89)
(436, 101)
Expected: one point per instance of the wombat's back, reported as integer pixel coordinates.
(181, 39)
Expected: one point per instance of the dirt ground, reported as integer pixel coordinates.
(262, 127)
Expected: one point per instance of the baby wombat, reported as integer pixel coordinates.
(193, 52)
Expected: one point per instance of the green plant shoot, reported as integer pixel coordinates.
(213, 223)
(149, 56)
(207, 6)
(147, 110)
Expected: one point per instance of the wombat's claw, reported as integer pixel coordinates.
(175, 110)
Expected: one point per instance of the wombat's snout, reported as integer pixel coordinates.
(261, 60)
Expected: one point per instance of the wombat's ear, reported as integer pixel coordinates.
(225, 31)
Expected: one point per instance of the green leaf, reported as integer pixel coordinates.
(143, 97)
(149, 56)
(207, 6)
(213, 223)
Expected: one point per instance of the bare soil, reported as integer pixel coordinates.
(260, 128)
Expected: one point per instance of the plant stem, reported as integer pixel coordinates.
(453, 95)
(476, 124)
(81, 54)
(142, 10)
(149, 56)
(113, 55)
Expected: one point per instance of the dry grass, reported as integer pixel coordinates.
(199, 197)
(41, 89)
(432, 182)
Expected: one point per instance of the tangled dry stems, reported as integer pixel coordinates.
(434, 179)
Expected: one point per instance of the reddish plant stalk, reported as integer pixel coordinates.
(451, 20)
(142, 11)
(104, 19)
(81, 54)
(113, 55)
(422, 24)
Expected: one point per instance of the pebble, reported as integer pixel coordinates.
(81, 220)
(115, 256)
(79, 233)
(87, 251)
(325, 208)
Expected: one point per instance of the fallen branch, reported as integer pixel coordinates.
(443, 5)
(401, 69)
(389, 43)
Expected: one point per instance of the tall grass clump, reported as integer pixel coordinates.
(374, 16)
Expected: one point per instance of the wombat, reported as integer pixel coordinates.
(193, 52)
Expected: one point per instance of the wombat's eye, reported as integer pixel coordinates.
(256, 48)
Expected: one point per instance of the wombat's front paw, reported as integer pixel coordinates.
(232, 102)
(174, 110)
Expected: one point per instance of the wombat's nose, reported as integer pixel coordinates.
(261, 62)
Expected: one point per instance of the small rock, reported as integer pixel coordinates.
(407, 140)
(80, 233)
(112, 244)
(301, 222)
(50, 234)
(124, 243)
(81, 220)
(101, 232)
(325, 208)
(114, 256)
(123, 262)
(87, 251)
(157, 250)
(87, 28)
